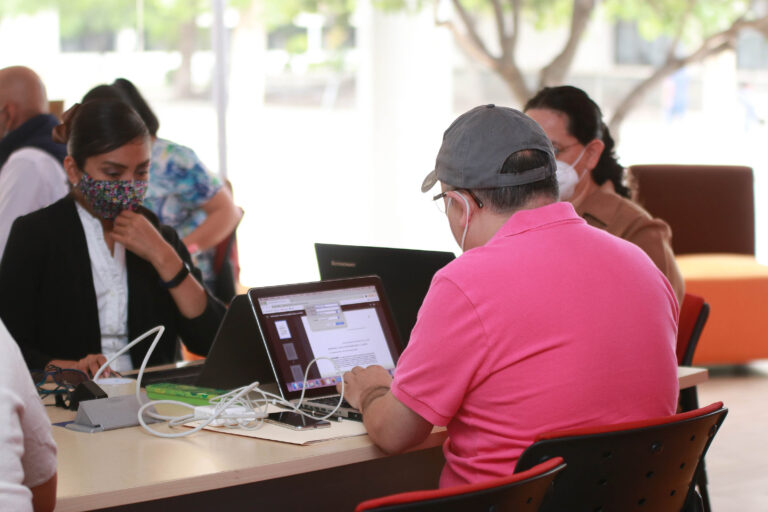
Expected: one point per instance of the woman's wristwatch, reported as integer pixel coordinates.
(178, 278)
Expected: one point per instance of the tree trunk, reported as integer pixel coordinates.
(515, 80)
(554, 73)
(630, 101)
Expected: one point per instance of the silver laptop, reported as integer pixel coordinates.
(346, 320)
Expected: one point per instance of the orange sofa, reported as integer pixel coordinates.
(711, 212)
(736, 288)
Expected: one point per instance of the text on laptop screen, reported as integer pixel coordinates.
(346, 325)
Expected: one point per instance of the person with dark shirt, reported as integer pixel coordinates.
(85, 275)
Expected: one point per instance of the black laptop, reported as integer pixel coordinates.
(237, 356)
(345, 320)
(406, 273)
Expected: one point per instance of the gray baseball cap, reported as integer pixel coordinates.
(478, 142)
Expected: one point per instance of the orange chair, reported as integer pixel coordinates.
(710, 209)
(640, 465)
(519, 492)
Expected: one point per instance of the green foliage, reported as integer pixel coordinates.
(402, 5)
(79, 16)
(11, 7)
(163, 18)
(548, 13)
(282, 12)
(296, 44)
(656, 18)
(543, 13)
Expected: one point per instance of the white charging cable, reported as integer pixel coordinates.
(234, 409)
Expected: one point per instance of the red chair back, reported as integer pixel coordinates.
(523, 491)
(641, 465)
(693, 315)
(226, 266)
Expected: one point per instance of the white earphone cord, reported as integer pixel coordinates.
(255, 410)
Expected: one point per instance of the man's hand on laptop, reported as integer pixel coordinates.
(364, 385)
(390, 423)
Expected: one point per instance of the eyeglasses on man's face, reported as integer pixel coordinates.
(441, 203)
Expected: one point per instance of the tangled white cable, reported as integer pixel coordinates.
(234, 409)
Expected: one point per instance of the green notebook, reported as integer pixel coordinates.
(192, 395)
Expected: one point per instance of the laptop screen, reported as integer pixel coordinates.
(346, 320)
(406, 273)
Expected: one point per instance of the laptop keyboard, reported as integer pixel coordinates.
(318, 406)
(332, 401)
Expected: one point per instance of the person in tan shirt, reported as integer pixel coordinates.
(591, 178)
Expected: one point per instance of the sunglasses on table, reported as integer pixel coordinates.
(65, 379)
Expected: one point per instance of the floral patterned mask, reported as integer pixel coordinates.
(108, 198)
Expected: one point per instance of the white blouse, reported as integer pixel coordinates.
(110, 282)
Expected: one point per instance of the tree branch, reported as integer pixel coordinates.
(472, 35)
(712, 45)
(680, 29)
(498, 14)
(554, 72)
(516, 8)
(470, 42)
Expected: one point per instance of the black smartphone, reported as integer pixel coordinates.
(295, 421)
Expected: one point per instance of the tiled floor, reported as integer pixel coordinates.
(737, 462)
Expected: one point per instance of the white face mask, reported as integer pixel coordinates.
(567, 177)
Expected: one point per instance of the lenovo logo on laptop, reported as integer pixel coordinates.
(346, 264)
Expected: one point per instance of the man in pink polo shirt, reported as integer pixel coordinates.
(543, 323)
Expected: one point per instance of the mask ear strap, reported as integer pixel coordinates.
(466, 224)
(578, 158)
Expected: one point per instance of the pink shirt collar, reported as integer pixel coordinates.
(527, 220)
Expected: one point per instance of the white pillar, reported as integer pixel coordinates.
(405, 96)
(219, 43)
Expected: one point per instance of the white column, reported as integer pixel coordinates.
(405, 93)
(219, 43)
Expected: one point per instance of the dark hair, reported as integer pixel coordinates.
(103, 92)
(133, 97)
(124, 90)
(585, 122)
(99, 126)
(505, 199)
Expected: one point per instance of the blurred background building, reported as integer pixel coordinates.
(335, 109)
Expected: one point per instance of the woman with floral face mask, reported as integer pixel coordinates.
(84, 276)
(590, 176)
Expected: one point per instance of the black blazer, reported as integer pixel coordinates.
(48, 303)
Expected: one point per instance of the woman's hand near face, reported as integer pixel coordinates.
(139, 236)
